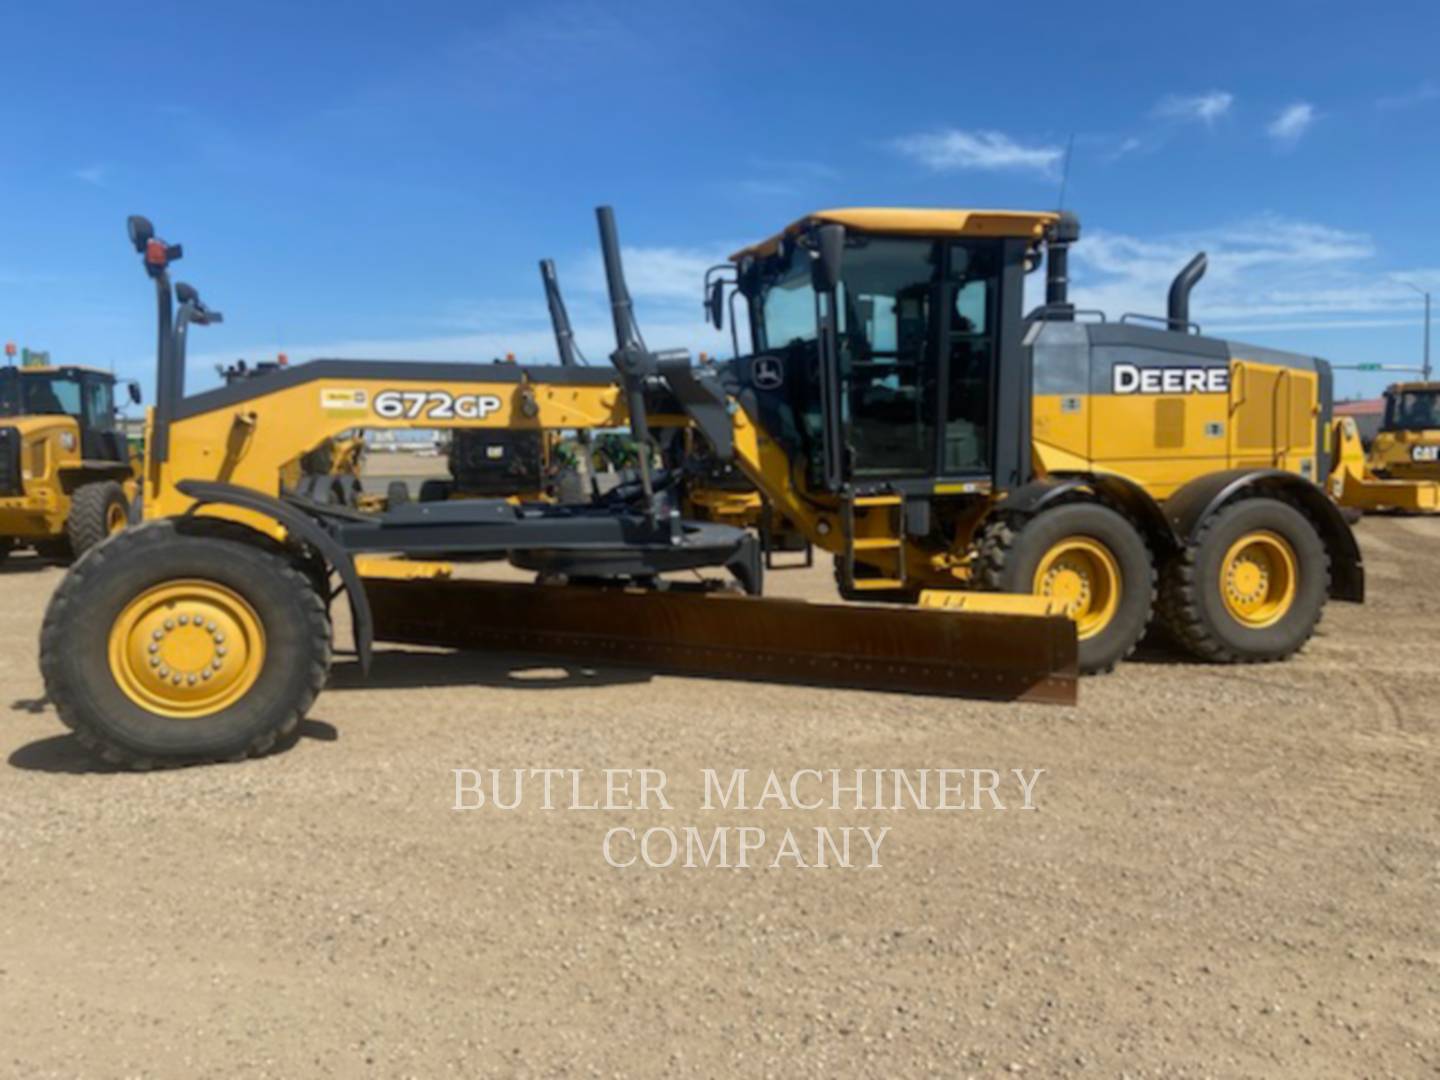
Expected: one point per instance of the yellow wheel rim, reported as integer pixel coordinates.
(1257, 579)
(116, 519)
(1083, 575)
(187, 649)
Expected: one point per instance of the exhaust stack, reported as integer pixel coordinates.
(1063, 233)
(1177, 312)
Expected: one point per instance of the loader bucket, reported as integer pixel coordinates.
(955, 653)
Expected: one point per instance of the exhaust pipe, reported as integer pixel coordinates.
(1063, 233)
(1177, 313)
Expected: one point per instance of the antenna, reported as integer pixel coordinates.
(1065, 170)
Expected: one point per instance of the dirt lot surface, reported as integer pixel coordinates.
(1229, 872)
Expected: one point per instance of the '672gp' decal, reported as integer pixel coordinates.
(434, 405)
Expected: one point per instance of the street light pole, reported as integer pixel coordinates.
(1425, 367)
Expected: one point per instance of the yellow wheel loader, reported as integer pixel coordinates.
(66, 480)
(1407, 446)
(1401, 471)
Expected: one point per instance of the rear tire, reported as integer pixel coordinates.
(97, 512)
(246, 670)
(1082, 546)
(1251, 587)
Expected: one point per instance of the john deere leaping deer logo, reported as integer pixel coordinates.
(767, 372)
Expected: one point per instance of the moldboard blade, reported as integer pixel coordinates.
(960, 653)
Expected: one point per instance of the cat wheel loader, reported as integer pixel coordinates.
(1401, 471)
(204, 633)
(1407, 446)
(66, 480)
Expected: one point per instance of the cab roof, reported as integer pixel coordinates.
(1413, 388)
(1027, 224)
(58, 369)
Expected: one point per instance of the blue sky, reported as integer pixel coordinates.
(374, 179)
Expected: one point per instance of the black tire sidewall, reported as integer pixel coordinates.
(88, 523)
(1292, 631)
(1042, 532)
(283, 686)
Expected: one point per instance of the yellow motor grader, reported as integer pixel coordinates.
(1025, 478)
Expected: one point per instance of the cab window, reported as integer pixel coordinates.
(99, 404)
(51, 395)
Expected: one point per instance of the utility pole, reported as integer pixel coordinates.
(1425, 368)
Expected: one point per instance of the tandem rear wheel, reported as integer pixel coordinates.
(1251, 586)
(166, 647)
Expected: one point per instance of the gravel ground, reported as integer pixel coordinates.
(1229, 872)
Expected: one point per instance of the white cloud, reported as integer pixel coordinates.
(1204, 108)
(1264, 273)
(951, 150)
(664, 282)
(657, 274)
(1291, 123)
(1427, 91)
(91, 174)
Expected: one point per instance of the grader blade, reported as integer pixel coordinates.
(956, 653)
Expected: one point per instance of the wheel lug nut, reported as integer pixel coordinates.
(184, 620)
(169, 624)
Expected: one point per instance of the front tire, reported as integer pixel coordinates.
(1252, 585)
(170, 647)
(97, 512)
(1085, 555)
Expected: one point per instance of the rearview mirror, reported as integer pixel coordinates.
(140, 230)
(134, 390)
(829, 253)
(715, 304)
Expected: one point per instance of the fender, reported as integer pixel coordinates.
(1194, 503)
(1124, 494)
(303, 526)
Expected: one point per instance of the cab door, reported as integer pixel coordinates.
(887, 329)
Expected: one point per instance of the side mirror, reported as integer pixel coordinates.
(140, 230)
(134, 391)
(715, 304)
(828, 255)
